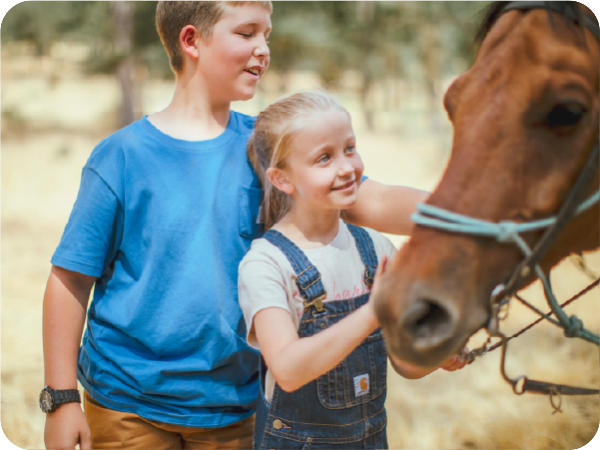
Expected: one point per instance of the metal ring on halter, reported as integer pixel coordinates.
(503, 311)
(470, 356)
(497, 299)
(556, 393)
(515, 382)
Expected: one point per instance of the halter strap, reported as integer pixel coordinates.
(588, 21)
(570, 208)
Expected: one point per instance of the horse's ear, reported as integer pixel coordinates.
(490, 15)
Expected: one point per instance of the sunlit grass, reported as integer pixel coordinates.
(471, 408)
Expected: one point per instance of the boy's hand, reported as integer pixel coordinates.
(66, 427)
(456, 361)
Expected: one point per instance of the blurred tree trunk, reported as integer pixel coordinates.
(365, 15)
(365, 90)
(431, 64)
(123, 19)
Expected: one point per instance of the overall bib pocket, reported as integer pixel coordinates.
(358, 379)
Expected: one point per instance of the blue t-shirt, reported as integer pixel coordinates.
(164, 224)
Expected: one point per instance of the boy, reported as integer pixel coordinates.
(166, 210)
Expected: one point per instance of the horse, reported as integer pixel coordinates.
(525, 119)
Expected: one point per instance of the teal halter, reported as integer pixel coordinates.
(505, 232)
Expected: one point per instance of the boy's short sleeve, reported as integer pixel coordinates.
(92, 236)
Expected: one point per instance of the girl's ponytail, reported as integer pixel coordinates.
(275, 203)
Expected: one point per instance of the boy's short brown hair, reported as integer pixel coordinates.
(171, 17)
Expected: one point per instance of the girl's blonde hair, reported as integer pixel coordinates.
(269, 144)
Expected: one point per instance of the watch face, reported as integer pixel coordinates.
(46, 401)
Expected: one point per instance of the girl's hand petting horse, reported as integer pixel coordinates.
(375, 289)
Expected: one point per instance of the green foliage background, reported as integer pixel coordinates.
(419, 41)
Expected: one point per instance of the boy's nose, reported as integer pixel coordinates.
(262, 49)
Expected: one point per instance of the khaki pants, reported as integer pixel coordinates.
(120, 430)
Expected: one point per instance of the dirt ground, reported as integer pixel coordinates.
(49, 128)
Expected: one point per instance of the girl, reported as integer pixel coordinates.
(304, 287)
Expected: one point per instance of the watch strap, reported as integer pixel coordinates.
(65, 396)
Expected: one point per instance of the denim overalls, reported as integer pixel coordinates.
(344, 408)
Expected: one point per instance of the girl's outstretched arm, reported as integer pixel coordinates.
(295, 361)
(385, 208)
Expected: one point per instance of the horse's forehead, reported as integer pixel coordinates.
(531, 53)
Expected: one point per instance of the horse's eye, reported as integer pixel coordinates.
(565, 114)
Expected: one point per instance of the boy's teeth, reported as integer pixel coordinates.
(253, 71)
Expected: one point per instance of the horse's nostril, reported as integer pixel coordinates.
(427, 319)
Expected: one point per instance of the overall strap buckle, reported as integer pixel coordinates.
(370, 274)
(317, 303)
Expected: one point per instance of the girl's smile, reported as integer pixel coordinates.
(346, 187)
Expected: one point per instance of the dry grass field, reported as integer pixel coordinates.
(49, 127)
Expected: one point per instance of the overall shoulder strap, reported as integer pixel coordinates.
(308, 278)
(366, 249)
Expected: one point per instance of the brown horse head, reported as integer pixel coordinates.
(525, 119)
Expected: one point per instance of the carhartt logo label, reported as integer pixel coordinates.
(361, 385)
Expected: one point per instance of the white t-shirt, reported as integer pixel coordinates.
(266, 278)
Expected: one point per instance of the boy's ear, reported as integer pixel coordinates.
(188, 38)
(278, 179)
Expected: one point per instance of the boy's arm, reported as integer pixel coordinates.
(65, 304)
(385, 208)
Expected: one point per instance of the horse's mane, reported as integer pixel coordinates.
(494, 11)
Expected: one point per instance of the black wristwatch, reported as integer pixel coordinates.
(50, 399)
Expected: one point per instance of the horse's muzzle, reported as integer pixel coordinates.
(425, 330)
